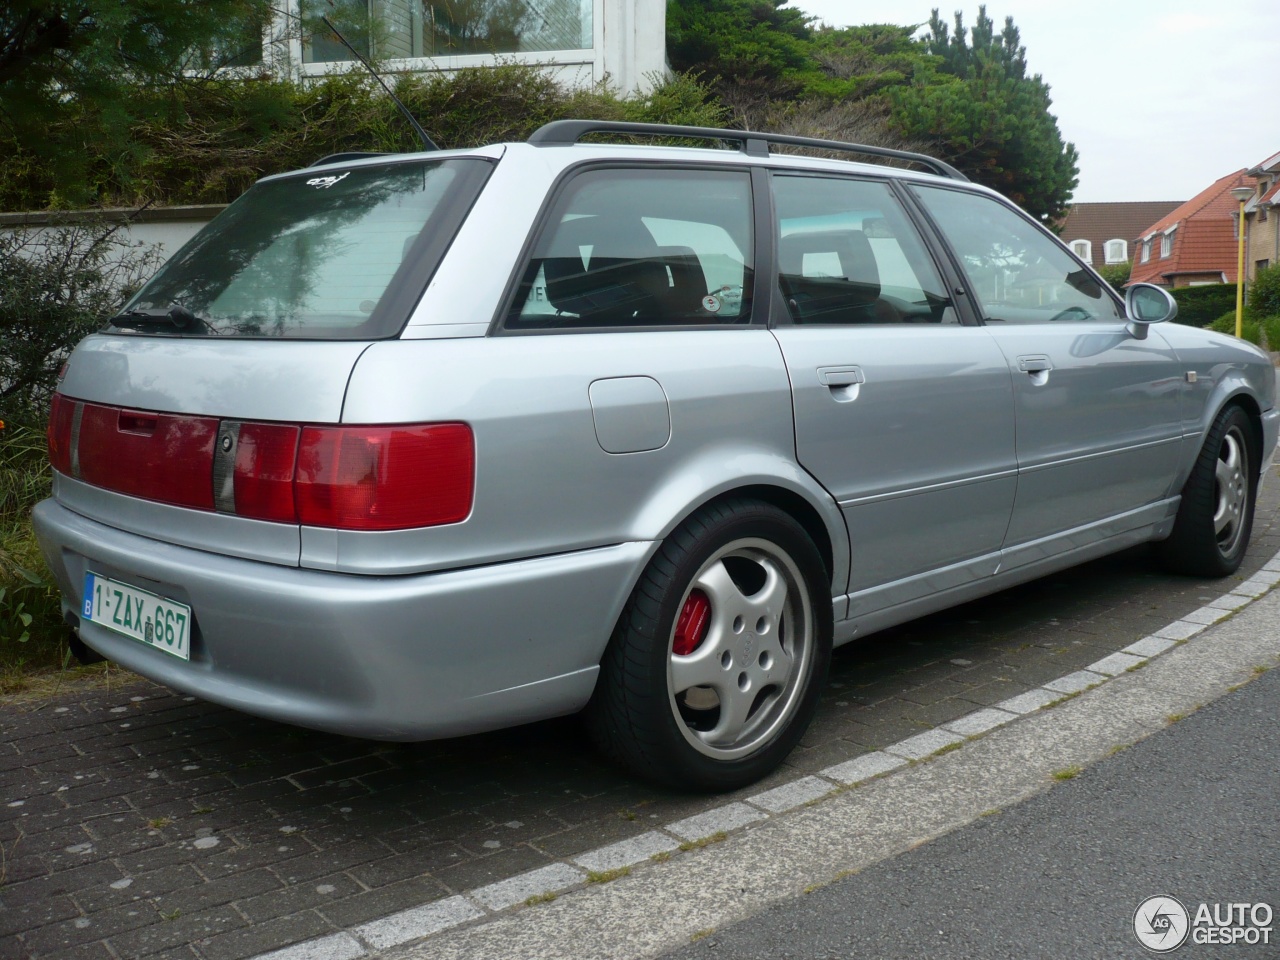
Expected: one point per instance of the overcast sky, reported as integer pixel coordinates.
(1160, 97)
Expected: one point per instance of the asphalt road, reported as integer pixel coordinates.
(1191, 812)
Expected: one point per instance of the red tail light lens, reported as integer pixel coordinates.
(59, 433)
(385, 478)
(266, 454)
(156, 456)
(345, 477)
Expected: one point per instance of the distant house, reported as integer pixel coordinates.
(1262, 218)
(1102, 233)
(1195, 243)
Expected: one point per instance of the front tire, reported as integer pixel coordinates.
(715, 668)
(1211, 532)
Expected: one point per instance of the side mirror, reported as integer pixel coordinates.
(1145, 304)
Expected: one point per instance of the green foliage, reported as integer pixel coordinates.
(1264, 291)
(74, 74)
(983, 113)
(1250, 329)
(1116, 274)
(208, 142)
(55, 287)
(1200, 306)
(1271, 331)
(745, 43)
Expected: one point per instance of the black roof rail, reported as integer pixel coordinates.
(754, 142)
(342, 157)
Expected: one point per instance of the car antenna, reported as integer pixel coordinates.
(417, 127)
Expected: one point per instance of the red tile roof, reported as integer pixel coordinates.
(1205, 241)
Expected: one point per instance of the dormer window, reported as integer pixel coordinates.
(1166, 243)
(1117, 251)
(1083, 249)
(1146, 249)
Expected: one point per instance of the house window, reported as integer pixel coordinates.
(1146, 250)
(1083, 249)
(400, 29)
(1117, 251)
(1166, 244)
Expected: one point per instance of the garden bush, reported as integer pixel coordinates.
(1250, 329)
(56, 286)
(1264, 292)
(1201, 306)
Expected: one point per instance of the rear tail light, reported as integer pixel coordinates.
(345, 477)
(385, 478)
(61, 413)
(266, 454)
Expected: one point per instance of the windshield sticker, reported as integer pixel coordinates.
(324, 183)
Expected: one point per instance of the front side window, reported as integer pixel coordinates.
(319, 255)
(1016, 273)
(398, 29)
(641, 247)
(847, 253)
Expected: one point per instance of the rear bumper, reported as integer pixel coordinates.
(389, 658)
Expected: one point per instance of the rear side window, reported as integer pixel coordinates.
(328, 254)
(1017, 274)
(847, 253)
(641, 247)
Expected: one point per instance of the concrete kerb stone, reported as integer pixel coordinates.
(1145, 701)
(656, 909)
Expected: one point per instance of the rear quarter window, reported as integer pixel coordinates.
(637, 247)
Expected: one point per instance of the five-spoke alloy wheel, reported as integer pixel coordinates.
(715, 668)
(1211, 532)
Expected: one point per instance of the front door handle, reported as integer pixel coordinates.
(1037, 367)
(840, 376)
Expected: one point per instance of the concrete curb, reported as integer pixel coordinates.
(978, 762)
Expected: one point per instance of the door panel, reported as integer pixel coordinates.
(1096, 410)
(921, 457)
(1099, 433)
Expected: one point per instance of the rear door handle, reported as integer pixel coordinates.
(840, 376)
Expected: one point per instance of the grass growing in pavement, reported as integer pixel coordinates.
(703, 841)
(1067, 773)
(606, 876)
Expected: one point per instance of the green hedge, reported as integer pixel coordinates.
(208, 142)
(1201, 306)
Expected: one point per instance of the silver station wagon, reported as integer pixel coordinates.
(415, 446)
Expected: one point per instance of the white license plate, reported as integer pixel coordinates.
(155, 621)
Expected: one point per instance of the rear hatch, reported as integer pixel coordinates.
(189, 418)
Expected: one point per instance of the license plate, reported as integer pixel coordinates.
(155, 621)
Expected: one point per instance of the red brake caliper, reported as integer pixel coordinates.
(691, 626)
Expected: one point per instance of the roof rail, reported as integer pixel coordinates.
(343, 157)
(754, 142)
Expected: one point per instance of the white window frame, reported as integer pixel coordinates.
(573, 66)
(1108, 250)
(1166, 243)
(1082, 249)
(1146, 248)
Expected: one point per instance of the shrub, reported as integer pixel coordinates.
(1117, 274)
(55, 287)
(1200, 306)
(208, 142)
(1264, 292)
(1250, 329)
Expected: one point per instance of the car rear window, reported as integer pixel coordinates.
(338, 253)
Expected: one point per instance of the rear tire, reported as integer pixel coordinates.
(715, 668)
(1211, 532)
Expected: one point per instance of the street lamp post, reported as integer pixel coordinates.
(1242, 194)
